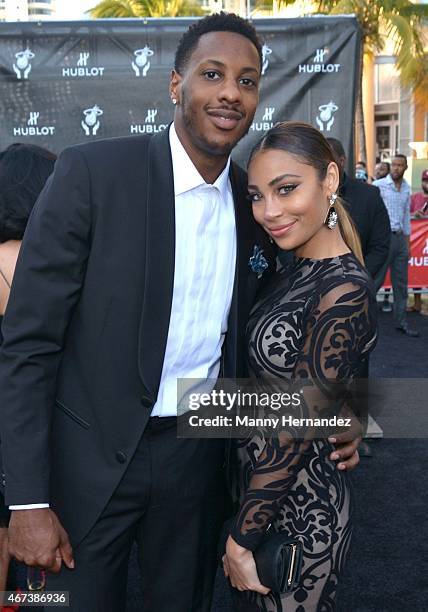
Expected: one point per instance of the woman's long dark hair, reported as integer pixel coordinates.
(308, 145)
(24, 170)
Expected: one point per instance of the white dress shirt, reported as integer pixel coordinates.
(205, 257)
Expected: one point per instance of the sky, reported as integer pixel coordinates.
(74, 9)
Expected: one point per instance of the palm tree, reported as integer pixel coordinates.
(146, 8)
(380, 19)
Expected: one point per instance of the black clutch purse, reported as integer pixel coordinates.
(278, 559)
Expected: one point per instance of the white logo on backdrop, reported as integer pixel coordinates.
(82, 69)
(83, 59)
(319, 56)
(149, 126)
(151, 115)
(32, 127)
(33, 119)
(325, 118)
(425, 249)
(266, 51)
(142, 62)
(266, 122)
(318, 64)
(90, 123)
(269, 111)
(22, 67)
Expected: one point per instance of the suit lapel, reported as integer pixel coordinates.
(248, 234)
(159, 262)
(244, 236)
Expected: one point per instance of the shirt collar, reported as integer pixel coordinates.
(389, 180)
(186, 176)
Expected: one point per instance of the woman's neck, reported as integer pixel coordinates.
(325, 244)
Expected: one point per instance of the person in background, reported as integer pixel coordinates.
(419, 200)
(24, 170)
(361, 172)
(395, 193)
(368, 212)
(419, 210)
(370, 216)
(382, 169)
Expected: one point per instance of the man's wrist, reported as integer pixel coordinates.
(28, 506)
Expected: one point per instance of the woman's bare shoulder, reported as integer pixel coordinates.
(8, 255)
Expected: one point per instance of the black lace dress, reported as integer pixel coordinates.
(316, 321)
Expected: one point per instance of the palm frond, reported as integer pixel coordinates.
(146, 8)
(116, 8)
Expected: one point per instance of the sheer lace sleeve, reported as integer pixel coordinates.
(339, 331)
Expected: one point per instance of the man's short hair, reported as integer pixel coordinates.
(337, 147)
(400, 155)
(218, 22)
(361, 163)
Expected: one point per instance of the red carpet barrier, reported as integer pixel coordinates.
(418, 261)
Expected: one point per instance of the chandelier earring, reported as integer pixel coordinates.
(331, 218)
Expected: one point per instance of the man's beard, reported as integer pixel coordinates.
(210, 148)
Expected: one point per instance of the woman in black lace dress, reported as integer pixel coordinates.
(314, 322)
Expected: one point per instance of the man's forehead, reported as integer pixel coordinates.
(225, 47)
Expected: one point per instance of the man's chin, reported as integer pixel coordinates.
(220, 146)
(217, 148)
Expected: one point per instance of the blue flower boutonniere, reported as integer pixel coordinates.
(257, 262)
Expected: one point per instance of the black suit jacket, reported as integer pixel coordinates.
(87, 322)
(369, 214)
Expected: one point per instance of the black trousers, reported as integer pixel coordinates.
(172, 501)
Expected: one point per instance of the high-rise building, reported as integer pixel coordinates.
(26, 10)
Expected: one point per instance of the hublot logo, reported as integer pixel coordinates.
(149, 126)
(266, 123)
(82, 69)
(32, 128)
(318, 65)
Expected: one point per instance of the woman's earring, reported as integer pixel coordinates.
(174, 101)
(332, 218)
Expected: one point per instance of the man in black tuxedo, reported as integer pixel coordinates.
(134, 266)
(368, 213)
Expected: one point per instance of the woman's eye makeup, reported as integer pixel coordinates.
(254, 197)
(288, 188)
(281, 190)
